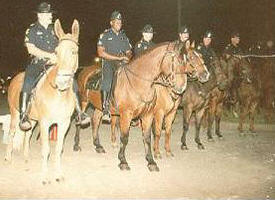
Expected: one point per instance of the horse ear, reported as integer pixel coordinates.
(75, 29)
(193, 44)
(187, 45)
(58, 29)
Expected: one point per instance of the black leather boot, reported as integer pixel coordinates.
(82, 118)
(24, 103)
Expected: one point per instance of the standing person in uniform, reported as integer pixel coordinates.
(113, 47)
(41, 42)
(146, 41)
(205, 48)
(233, 48)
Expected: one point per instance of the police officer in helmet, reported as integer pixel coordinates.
(233, 48)
(113, 47)
(41, 42)
(205, 48)
(146, 41)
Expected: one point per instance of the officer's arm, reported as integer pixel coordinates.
(33, 50)
(103, 54)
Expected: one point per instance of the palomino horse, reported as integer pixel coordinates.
(248, 93)
(193, 101)
(52, 103)
(168, 101)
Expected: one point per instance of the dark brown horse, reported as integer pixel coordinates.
(134, 95)
(196, 98)
(247, 91)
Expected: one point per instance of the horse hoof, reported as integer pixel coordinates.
(114, 145)
(200, 147)
(211, 140)
(220, 137)
(124, 166)
(100, 150)
(77, 148)
(153, 168)
(183, 147)
(158, 156)
(169, 154)
(60, 179)
(242, 134)
(46, 182)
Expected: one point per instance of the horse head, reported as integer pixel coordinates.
(195, 66)
(67, 55)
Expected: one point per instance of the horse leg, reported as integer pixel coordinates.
(168, 130)
(210, 118)
(27, 141)
(146, 131)
(77, 147)
(14, 129)
(243, 109)
(252, 118)
(45, 150)
(187, 112)
(114, 126)
(198, 118)
(62, 128)
(95, 126)
(77, 138)
(158, 120)
(218, 120)
(124, 122)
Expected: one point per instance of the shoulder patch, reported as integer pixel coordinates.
(101, 36)
(199, 47)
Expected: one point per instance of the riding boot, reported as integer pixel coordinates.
(24, 102)
(82, 118)
(105, 102)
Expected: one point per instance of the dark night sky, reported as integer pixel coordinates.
(253, 18)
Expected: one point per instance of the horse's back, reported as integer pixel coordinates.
(84, 76)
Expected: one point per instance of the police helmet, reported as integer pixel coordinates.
(116, 15)
(184, 29)
(44, 7)
(147, 29)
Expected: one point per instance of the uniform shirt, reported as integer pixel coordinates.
(44, 39)
(208, 54)
(142, 45)
(115, 44)
(230, 49)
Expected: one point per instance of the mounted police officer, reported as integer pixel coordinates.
(208, 53)
(233, 48)
(146, 41)
(113, 47)
(183, 35)
(41, 42)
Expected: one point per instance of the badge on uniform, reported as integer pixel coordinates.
(110, 39)
(39, 33)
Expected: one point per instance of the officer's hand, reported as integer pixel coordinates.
(124, 58)
(52, 59)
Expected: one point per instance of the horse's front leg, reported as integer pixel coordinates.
(243, 113)
(114, 127)
(146, 131)
(157, 128)
(62, 128)
(168, 130)
(252, 112)
(45, 149)
(124, 122)
(218, 120)
(96, 120)
(210, 118)
(187, 112)
(198, 120)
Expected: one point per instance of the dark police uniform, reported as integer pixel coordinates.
(115, 44)
(208, 54)
(45, 40)
(230, 49)
(142, 45)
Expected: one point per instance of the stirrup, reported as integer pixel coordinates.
(25, 124)
(83, 119)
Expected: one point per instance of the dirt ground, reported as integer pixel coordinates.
(234, 168)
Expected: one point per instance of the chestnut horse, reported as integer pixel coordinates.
(168, 101)
(248, 91)
(53, 101)
(196, 98)
(134, 95)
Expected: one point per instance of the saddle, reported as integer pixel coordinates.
(94, 82)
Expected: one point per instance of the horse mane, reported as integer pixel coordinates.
(149, 51)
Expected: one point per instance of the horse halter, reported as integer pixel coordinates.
(63, 77)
